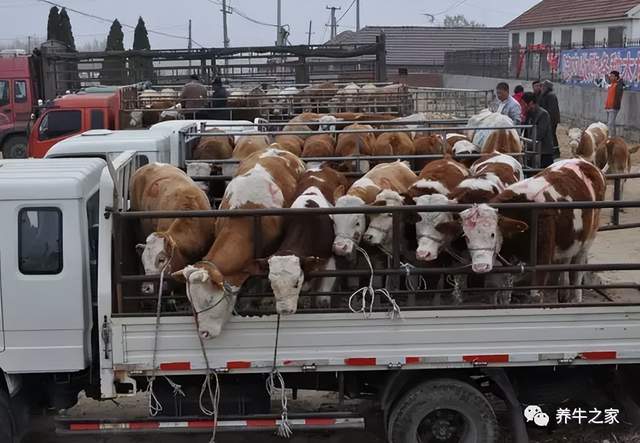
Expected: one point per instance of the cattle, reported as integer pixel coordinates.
(217, 146)
(454, 138)
(349, 228)
(394, 144)
(170, 244)
(266, 179)
(306, 246)
(618, 158)
(246, 145)
(291, 143)
(490, 175)
(319, 145)
(488, 119)
(590, 144)
(564, 236)
(504, 141)
(465, 148)
(354, 144)
(315, 97)
(428, 144)
(345, 99)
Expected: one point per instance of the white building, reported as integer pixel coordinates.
(577, 23)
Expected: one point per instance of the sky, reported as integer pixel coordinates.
(21, 18)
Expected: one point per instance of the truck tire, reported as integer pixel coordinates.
(15, 147)
(7, 426)
(443, 411)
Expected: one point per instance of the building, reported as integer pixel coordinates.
(577, 23)
(415, 54)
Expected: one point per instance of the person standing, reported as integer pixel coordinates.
(538, 117)
(194, 98)
(518, 92)
(219, 100)
(614, 101)
(506, 105)
(548, 101)
(537, 87)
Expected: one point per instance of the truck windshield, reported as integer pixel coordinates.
(58, 123)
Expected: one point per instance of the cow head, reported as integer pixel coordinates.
(381, 225)
(435, 230)
(575, 134)
(485, 230)
(286, 274)
(211, 299)
(348, 228)
(159, 253)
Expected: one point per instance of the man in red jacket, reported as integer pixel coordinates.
(614, 100)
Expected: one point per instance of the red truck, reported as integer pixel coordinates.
(17, 100)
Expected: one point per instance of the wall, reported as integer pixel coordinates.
(602, 31)
(579, 106)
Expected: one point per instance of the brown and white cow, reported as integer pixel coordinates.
(394, 143)
(396, 177)
(564, 235)
(170, 244)
(291, 143)
(618, 158)
(464, 148)
(245, 146)
(217, 146)
(428, 144)
(590, 144)
(265, 179)
(355, 144)
(317, 146)
(306, 246)
(454, 138)
(505, 141)
(490, 175)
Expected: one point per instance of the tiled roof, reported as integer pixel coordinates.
(423, 45)
(563, 12)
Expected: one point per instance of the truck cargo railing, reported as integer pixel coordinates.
(399, 258)
(454, 102)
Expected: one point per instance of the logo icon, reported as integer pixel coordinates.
(535, 414)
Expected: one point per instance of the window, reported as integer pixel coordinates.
(20, 91)
(616, 37)
(97, 119)
(515, 39)
(589, 38)
(546, 38)
(58, 123)
(4, 92)
(531, 38)
(40, 241)
(566, 38)
(141, 160)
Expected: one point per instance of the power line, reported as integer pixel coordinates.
(243, 14)
(347, 11)
(460, 3)
(106, 20)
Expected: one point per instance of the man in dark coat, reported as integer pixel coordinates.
(548, 101)
(219, 101)
(538, 117)
(194, 98)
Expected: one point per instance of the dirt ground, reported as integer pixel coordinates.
(610, 247)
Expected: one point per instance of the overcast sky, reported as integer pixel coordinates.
(20, 18)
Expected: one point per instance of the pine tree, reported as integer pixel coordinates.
(65, 31)
(142, 69)
(53, 24)
(114, 67)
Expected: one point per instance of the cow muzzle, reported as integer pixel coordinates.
(343, 247)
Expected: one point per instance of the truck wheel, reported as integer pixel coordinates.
(7, 427)
(15, 147)
(443, 411)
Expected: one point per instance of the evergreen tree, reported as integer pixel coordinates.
(142, 66)
(53, 24)
(114, 67)
(65, 31)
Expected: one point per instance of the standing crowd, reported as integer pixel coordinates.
(540, 109)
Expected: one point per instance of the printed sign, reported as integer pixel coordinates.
(590, 67)
(564, 416)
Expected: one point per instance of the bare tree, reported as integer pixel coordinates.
(460, 21)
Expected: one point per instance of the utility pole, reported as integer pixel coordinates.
(190, 45)
(334, 23)
(225, 30)
(357, 15)
(29, 44)
(279, 41)
(310, 33)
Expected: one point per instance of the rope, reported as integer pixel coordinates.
(456, 293)
(155, 407)
(214, 396)
(422, 283)
(366, 306)
(284, 428)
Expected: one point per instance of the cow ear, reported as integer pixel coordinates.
(339, 192)
(310, 264)
(451, 229)
(510, 227)
(140, 248)
(179, 276)
(379, 203)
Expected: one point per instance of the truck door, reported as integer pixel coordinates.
(6, 110)
(21, 104)
(52, 127)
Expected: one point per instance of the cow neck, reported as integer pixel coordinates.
(367, 194)
(187, 233)
(307, 236)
